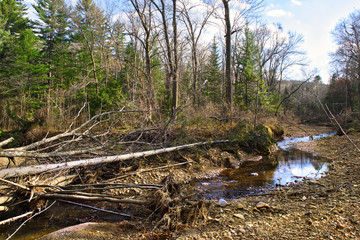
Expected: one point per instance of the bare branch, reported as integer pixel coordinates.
(7, 141)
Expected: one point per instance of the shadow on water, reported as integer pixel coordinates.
(286, 167)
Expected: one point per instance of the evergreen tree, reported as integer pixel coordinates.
(4, 34)
(13, 14)
(213, 74)
(250, 87)
(53, 29)
(52, 26)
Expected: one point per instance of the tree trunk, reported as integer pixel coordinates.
(228, 82)
(31, 170)
(175, 68)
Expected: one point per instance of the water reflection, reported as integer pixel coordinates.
(287, 166)
(286, 144)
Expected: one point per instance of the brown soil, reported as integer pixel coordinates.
(327, 208)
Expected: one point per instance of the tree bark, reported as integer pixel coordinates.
(175, 68)
(31, 170)
(228, 81)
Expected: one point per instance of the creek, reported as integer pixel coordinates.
(285, 167)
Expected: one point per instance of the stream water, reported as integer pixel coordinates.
(286, 167)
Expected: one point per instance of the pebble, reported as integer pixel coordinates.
(240, 206)
(239, 215)
(242, 230)
(254, 174)
(222, 202)
(262, 205)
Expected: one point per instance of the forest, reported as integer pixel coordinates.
(156, 56)
(114, 81)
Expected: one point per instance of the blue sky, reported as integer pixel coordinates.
(314, 19)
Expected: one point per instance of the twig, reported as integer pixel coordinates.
(117, 185)
(290, 94)
(15, 218)
(77, 116)
(342, 130)
(29, 220)
(95, 208)
(89, 198)
(97, 187)
(14, 184)
(323, 108)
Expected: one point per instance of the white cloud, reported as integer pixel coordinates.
(29, 2)
(296, 2)
(278, 13)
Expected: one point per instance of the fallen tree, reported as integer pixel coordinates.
(31, 170)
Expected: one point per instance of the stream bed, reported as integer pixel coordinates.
(285, 167)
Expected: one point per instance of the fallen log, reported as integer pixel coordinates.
(31, 170)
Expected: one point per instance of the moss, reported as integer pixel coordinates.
(259, 140)
(275, 130)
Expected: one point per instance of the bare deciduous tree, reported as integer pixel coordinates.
(347, 37)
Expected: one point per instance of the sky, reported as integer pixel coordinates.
(314, 19)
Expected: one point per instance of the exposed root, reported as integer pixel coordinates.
(174, 210)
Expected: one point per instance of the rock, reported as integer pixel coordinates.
(254, 174)
(240, 206)
(262, 205)
(303, 198)
(89, 230)
(222, 202)
(239, 215)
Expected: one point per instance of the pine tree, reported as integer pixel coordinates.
(4, 34)
(213, 74)
(52, 26)
(250, 87)
(20, 66)
(13, 13)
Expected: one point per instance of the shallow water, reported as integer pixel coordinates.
(286, 167)
(286, 144)
(59, 216)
